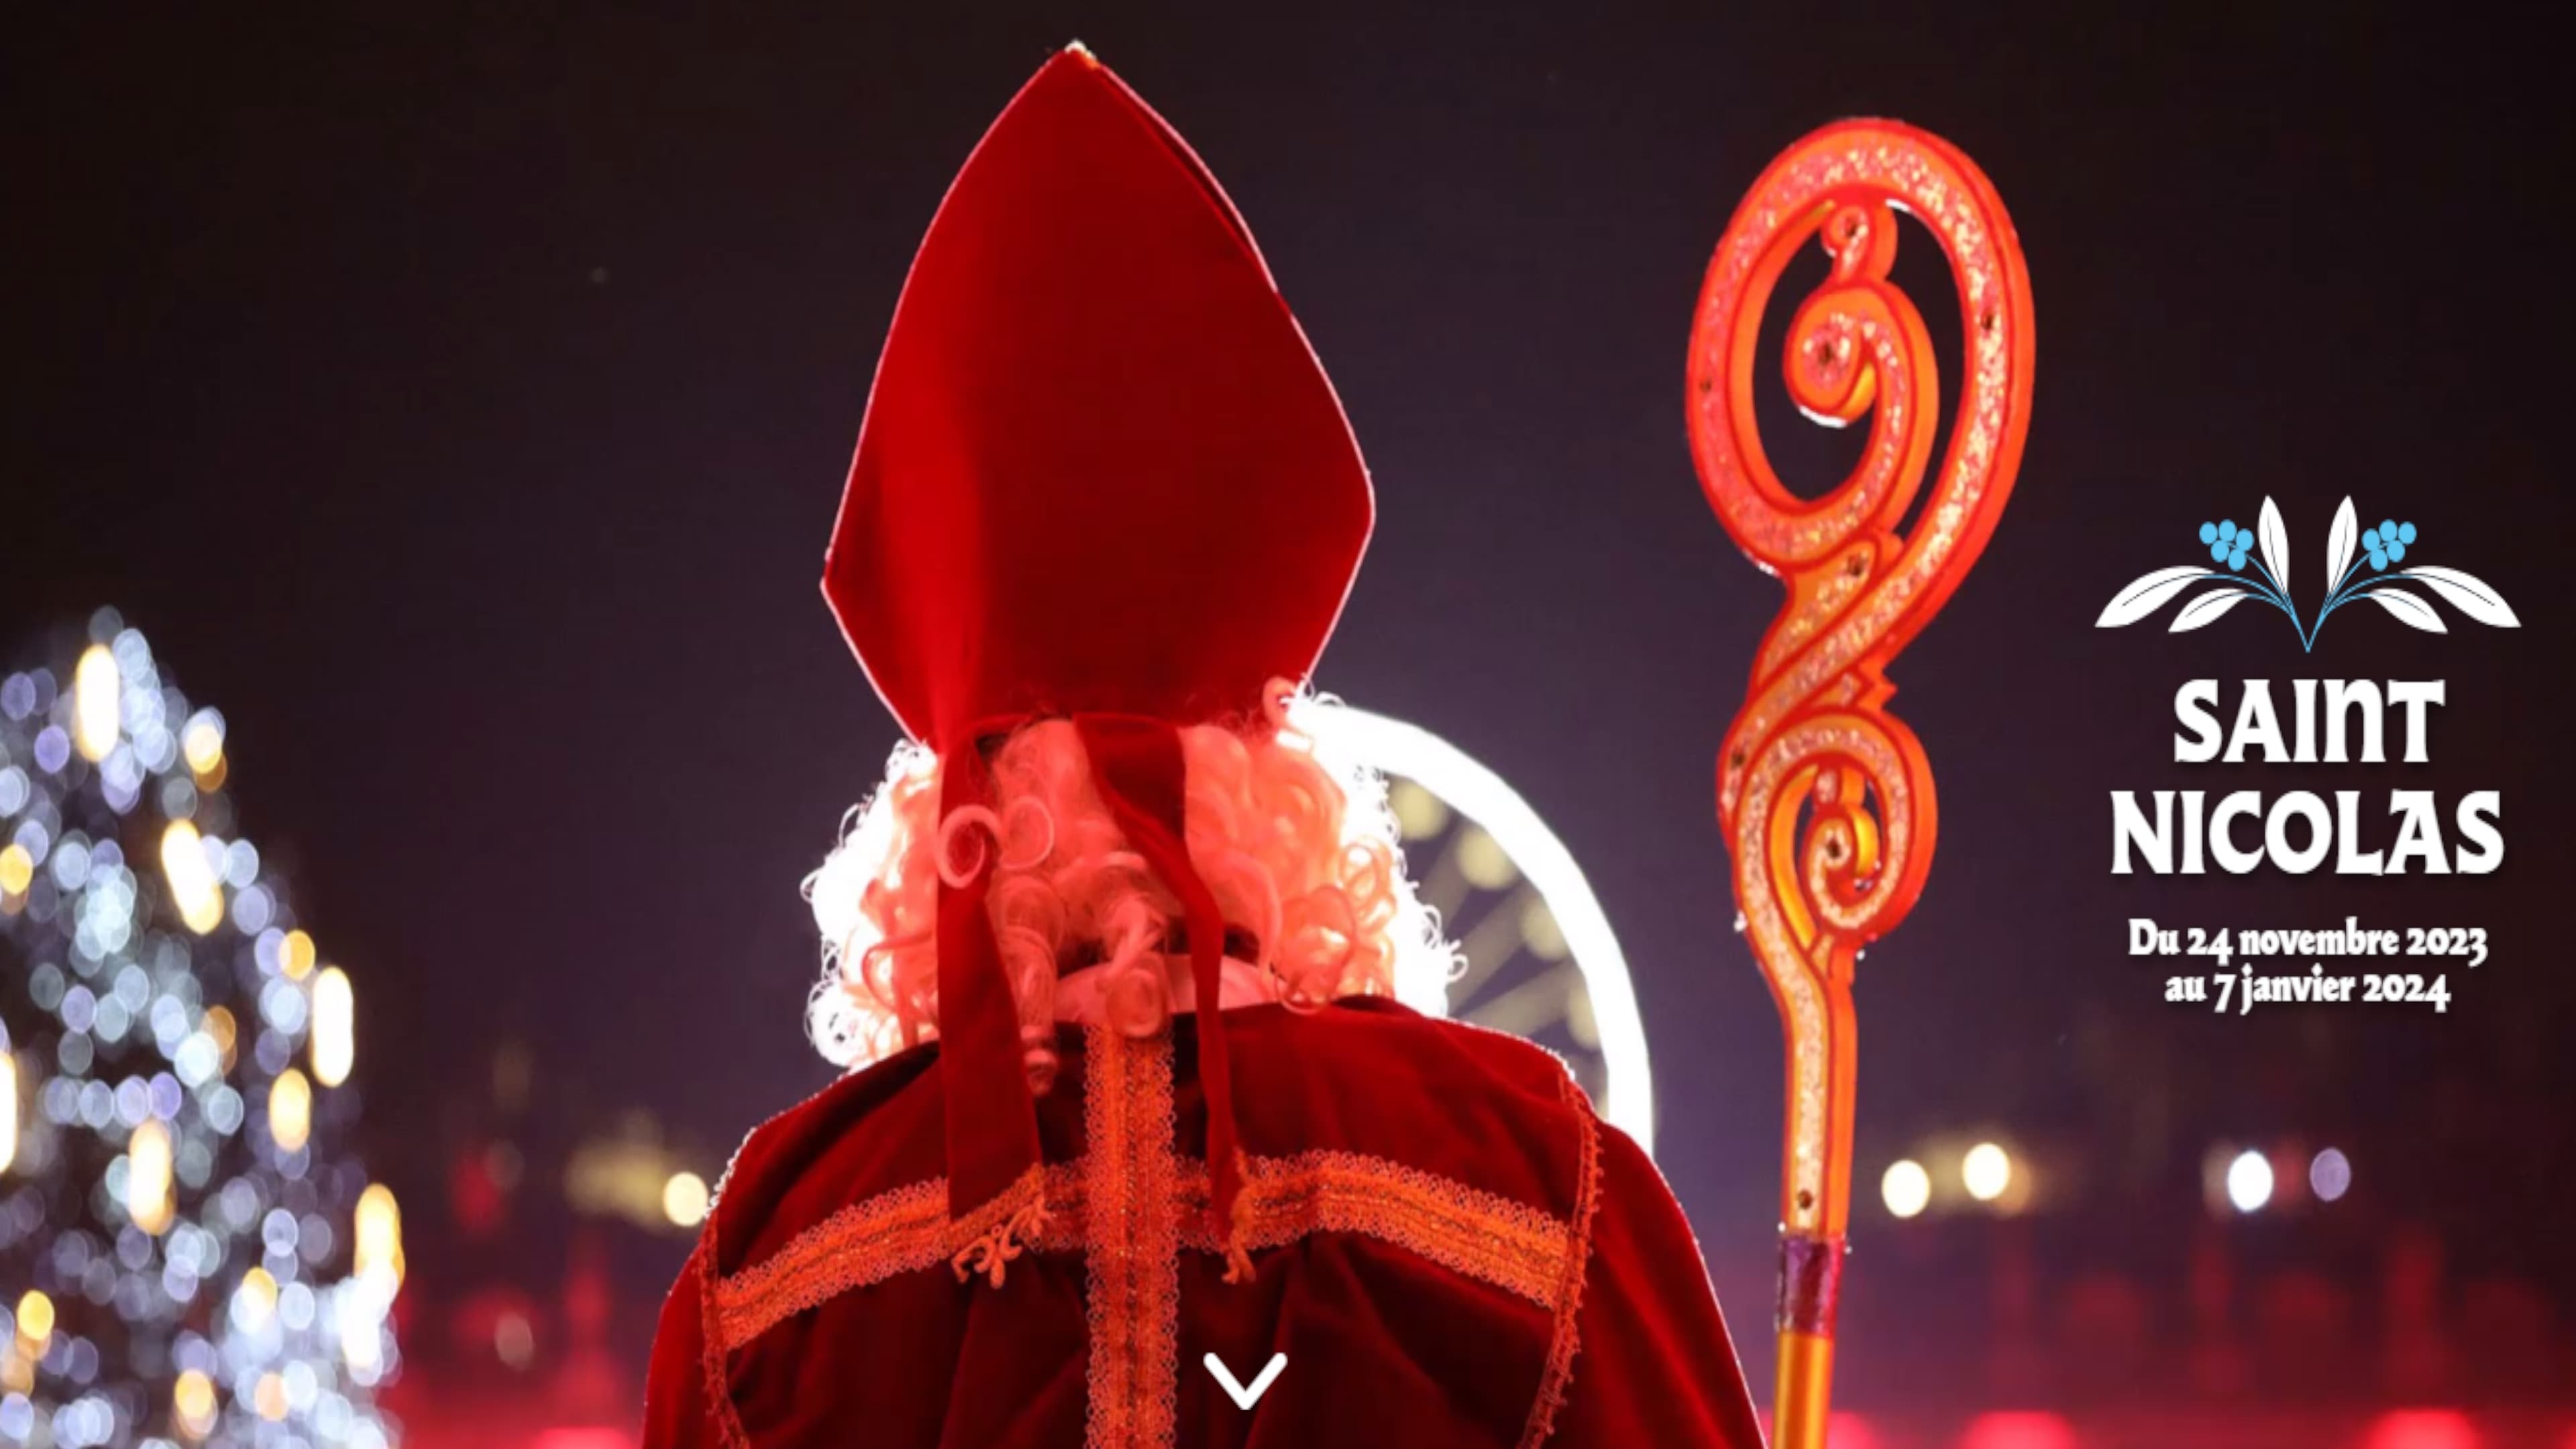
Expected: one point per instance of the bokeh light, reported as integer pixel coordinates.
(1418, 813)
(2249, 1181)
(290, 1111)
(202, 743)
(148, 1178)
(1483, 861)
(2013, 1430)
(35, 1318)
(169, 1260)
(1906, 1187)
(96, 695)
(335, 1016)
(1986, 1171)
(378, 1254)
(514, 1340)
(192, 1403)
(1847, 1430)
(684, 1199)
(2422, 1429)
(193, 885)
(255, 1301)
(2330, 1175)
(8, 1110)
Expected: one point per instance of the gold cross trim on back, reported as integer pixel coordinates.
(1132, 1205)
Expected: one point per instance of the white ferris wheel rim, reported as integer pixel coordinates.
(1467, 786)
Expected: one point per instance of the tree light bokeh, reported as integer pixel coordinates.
(206, 1264)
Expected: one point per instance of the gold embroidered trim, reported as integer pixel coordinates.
(1130, 1223)
(866, 1242)
(1132, 1204)
(1567, 1339)
(988, 1239)
(716, 1383)
(1483, 1235)
(1068, 1191)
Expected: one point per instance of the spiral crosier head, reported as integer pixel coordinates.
(1825, 798)
(1851, 329)
(1844, 848)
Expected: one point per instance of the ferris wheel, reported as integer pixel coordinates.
(1541, 959)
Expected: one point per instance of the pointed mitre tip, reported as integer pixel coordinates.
(1076, 50)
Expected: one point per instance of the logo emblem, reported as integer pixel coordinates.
(2348, 548)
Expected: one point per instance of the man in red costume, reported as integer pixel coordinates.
(1118, 947)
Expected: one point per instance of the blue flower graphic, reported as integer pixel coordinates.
(2217, 586)
(2227, 543)
(2386, 544)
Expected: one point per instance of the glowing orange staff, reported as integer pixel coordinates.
(1826, 799)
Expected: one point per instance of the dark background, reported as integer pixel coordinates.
(460, 401)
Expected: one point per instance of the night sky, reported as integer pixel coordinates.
(461, 404)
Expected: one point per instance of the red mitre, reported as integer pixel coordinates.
(1101, 476)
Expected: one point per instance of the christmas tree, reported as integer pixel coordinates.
(188, 1254)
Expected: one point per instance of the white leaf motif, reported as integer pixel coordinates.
(2207, 607)
(2275, 541)
(2467, 593)
(2409, 608)
(2341, 540)
(2147, 594)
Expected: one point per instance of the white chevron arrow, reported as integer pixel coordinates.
(1245, 1398)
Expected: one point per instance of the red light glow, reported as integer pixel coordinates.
(587, 1437)
(1849, 1431)
(2018, 1431)
(2422, 1429)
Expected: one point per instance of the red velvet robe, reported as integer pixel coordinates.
(1448, 1245)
